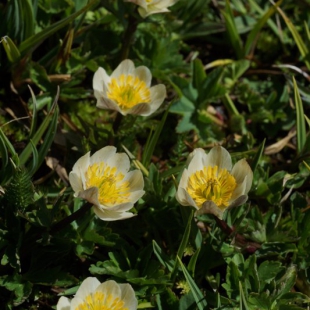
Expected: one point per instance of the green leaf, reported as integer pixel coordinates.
(24, 156)
(268, 270)
(183, 244)
(300, 120)
(258, 156)
(253, 35)
(233, 35)
(162, 257)
(298, 40)
(199, 73)
(11, 50)
(31, 43)
(199, 298)
(150, 147)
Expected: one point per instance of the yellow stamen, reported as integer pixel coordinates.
(112, 189)
(99, 301)
(128, 91)
(211, 184)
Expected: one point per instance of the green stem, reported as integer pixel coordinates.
(69, 219)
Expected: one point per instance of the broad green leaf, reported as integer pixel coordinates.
(300, 120)
(199, 298)
(32, 42)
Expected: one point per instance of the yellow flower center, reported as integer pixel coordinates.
(128, 91)
(112, 189)
(100, 301)
(211, 184)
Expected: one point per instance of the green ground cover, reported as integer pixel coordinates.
(199, 195)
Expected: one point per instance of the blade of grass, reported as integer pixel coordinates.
(34, 114)
(192, 263)
(300, 120)
(258, 156)
(150, 147)
(32, 42)
(232, 31)
(252, 37)
(35, 157)
(299, 42)
(162, 257)
(199, 298)
(24, 156)
(182, 245)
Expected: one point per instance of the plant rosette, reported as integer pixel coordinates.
(128, 90)
(104, 180)
(211, 185)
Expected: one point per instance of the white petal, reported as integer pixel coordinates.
(122, 207)
(143, 109)
(209, 207)
(197, 163)
(110, 288)
(218, 156)
(193, 153)
(100, 78)
(135, 179)
(135, 196)
(126, 67)
(128, 296)
(184, 179)
(158, 95)
(103, 154)
(242, 170)
(120, 161)
(75, 182)
(107, 104)
(90, 194)
(88, 286)
(239, 190)
(81, 165)
(239, 201)
(144, 74)
(63, 304)
(112, 216)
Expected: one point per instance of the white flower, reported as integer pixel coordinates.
(104, 180)
(95, 295)
(148, 7)
(211, 185)
(128, 90)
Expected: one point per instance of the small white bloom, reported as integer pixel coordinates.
(210, 183)
(95, 295)
(148, 7)
(104, 180)
(128, 90)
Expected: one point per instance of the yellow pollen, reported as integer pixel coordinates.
(112, 189)
(128, 91)
(211, 184)
(99, 301)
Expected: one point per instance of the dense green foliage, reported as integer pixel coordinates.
(236, 72)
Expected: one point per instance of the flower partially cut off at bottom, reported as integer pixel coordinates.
(100, 296)
(104, 180)
(211, 184)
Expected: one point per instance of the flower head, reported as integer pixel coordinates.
(128, 90)
(148, 7)
(104, 180)
(211, 184)
(104, 296)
